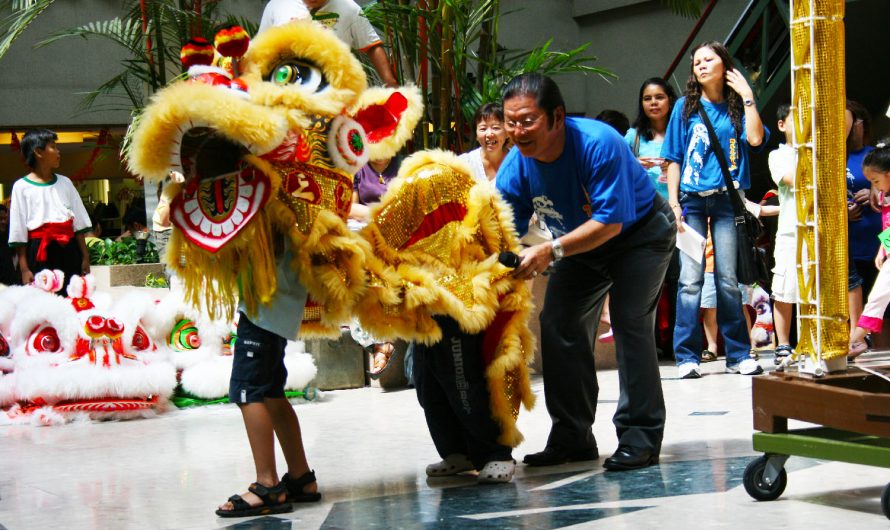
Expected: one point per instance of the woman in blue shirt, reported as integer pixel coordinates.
(646, 136)
(697, 194)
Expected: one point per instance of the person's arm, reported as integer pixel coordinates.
(673, 178)
(753, 126)
(358, 211)
(586, 237)
(85, 253)
(22, 255)
(377, 55)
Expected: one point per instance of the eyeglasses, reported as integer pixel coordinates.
(524, 124)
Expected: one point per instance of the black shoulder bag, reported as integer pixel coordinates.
(752, 262)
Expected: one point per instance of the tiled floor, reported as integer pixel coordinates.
(369, 449)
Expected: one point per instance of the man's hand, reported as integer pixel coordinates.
(85, 265)
(27, 276)
(535, 260)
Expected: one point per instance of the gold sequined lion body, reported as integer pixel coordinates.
(270, 156)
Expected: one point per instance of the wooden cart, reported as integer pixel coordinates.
(853, 409)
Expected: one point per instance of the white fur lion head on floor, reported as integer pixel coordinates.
(201, 350)
(80, 356)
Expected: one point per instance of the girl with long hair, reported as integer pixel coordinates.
(698, 195)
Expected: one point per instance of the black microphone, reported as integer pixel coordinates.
(509, 259)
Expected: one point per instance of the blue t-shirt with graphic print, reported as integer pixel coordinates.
(687, 143)
(596, 177)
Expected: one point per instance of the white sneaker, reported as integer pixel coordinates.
(451, 465)
(688, 371)
(497, 472)
(746, 367)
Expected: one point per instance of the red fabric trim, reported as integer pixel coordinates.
(435, 220)
(493, 335)
(370, 46)
(58, 232)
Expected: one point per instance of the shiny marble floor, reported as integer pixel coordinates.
(369, 449)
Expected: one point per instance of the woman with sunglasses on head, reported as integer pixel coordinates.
(698, 194)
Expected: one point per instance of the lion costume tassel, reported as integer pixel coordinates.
(271, 155)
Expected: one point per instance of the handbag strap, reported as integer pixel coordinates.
(735, 198)
(636, 148)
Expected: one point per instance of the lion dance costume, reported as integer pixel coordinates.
(270, 154)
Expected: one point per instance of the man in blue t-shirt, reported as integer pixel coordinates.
(612, 234)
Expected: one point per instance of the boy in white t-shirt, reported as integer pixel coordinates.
(47, 219)
(345, 18)
(783, 169)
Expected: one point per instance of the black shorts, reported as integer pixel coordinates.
(258, 370)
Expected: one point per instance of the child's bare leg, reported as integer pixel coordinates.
(709, 321)
(259, 425)
(854, 300)
(782, 317)
(287, 428)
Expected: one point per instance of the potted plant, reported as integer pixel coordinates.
(124, 262)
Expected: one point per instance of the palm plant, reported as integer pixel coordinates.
(462, 66)
(152, 34)
(450, 49)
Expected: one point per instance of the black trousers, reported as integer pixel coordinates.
(66, 258)
(450, 382)
(631, 268)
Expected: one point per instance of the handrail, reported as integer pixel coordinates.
(698, 25)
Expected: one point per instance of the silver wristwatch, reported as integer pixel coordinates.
(558, 251)
(748, 102)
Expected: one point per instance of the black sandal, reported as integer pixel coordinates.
(707, 356)
(389, 361)
(782, 351)
(269, 496)
(295, 487)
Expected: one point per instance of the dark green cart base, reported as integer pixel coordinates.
(765, 478)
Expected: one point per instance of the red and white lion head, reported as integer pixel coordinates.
(79, 355)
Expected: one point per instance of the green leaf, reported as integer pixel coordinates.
(686, 8)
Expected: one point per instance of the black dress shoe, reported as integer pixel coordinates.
(627, 457)
(553, 456)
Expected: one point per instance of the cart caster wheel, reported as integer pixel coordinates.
(757, 487)
(310, 393)
(885, 501)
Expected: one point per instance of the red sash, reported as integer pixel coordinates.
(58, 232)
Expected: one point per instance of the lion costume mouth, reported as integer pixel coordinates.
(223, 191)
(205, 153)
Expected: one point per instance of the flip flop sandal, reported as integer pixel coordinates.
(707, 356)
(269, 496)
(497, 472)
(857, 349)
(378, 372)
(295, 487)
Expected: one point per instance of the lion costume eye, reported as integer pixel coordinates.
(185, 336)
(299, 73)
(141, 340)
(44, 340)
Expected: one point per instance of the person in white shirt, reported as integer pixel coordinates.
(47, 219)
(783, 168)
(345, 18)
